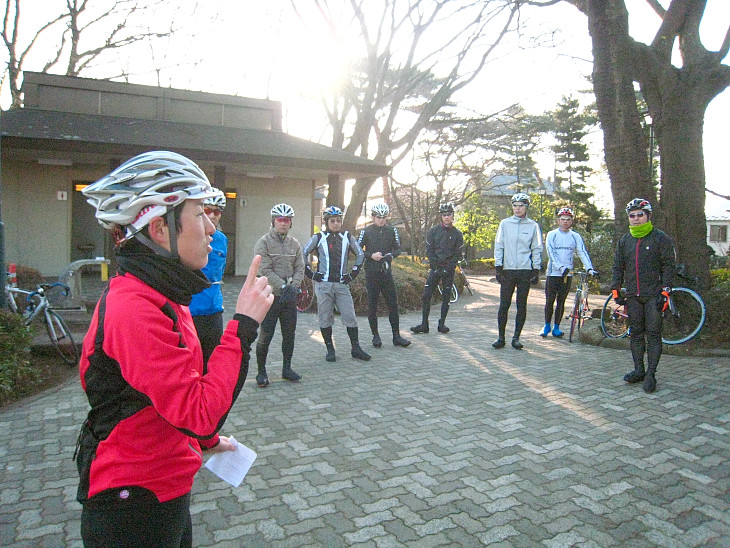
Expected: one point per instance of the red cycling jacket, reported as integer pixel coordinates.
(152, 407)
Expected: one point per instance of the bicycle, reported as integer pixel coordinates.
(32, 304)
(581, 309)
(306, 295)
(454, 290)
(684, 316)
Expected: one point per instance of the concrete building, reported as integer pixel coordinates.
(72, 131)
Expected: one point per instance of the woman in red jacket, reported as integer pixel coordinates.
(153, 409)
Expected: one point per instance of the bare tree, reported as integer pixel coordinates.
(416, 55)
(83, 32)
(677, 98)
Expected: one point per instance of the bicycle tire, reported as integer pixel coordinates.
(614, 320)
(575, 317)
(687, 319)
(306, 296)
(454, 292)
(61, 337)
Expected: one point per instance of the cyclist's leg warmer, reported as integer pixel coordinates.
(352, 332)
(563, 289)
(431, 282)
(288, 322)
(134, 523)
(327, 335)
(551, 291)
(637, 331)
(448, 281)
(523, 289)
(391, 299)
(373, 286)
(268, 326)
(653, 334)
(506, 290)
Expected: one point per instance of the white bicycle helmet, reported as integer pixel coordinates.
(380, 209)
(565, 211)
(282, 210)
(520, 197)
(447, 207)
(219, 200)
(146, 186)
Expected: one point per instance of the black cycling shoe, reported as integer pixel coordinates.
(262, 380)
(330, 354)
(517, 345)
(442, 328)
(634, 377)
(649, 385)
(377, 343)
(499, 343)
(359, 354)
(289, 374)
(421, 328)
(400, 341)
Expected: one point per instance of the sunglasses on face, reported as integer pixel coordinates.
(636, 215)
(283, 219)
(381, 217)
(211, 211)
(566, 218)
(447, 214)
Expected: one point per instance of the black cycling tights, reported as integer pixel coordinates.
(446, 276)
(519, 279)
(123, 523)
(556, 287)
(286, 315)
(645, 331)
(375, 283)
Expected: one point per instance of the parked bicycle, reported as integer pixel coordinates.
(683, 319)
(306, 295)
(34, 304)
(581, 309)
(458, 273)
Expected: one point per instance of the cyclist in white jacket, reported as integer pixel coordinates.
(517, 256)
(560, 245)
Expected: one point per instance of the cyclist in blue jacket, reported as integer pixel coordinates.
(207, 306)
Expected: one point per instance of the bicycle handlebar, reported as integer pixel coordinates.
(42, 288)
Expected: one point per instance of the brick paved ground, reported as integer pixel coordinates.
(445, 443)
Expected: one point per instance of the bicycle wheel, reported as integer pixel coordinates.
(685, 318)
(614, 320)
(575, 316)
(61, 338)
(454, 294)
(306, 296)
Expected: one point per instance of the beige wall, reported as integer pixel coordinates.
(254, 219)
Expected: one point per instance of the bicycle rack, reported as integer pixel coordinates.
(73, 279)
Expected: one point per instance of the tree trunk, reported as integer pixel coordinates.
(357, 198)
(335, 191)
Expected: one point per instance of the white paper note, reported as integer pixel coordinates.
(232, 466)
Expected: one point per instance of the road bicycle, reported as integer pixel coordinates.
(581, 309)
(458, 272)
(683, 318)
(34, 304)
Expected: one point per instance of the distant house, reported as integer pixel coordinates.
(717, 213)
(72, 131)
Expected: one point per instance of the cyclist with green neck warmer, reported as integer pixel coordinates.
(644, 264)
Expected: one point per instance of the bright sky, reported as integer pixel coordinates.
(259, 49)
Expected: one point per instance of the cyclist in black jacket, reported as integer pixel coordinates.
(443, 249)
(381, 245)
(644, 264)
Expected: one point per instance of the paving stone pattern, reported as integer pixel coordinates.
(445, 443)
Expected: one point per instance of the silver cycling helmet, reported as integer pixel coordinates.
(218, 200)
(380, 209)
(638, 203)
(520, 197)
(282, 210)
(149, 185)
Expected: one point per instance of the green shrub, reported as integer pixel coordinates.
(16, 372)
(480, 266)
(719, 276)
(717, 301)
(409, 277)
(28, 278)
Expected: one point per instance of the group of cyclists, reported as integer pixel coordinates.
(161, 371)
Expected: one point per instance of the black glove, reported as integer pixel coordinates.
(318, 277)
(663, 301)
(289, 294)
(346, 279)
(564, 271)
(618, 298)
(354, 272)
(594, 273)
(500, 276)
(535, 276)
(308, 272)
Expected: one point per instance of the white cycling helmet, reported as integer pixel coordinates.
(520, 197)
(380, 209)
(282, 210)
(638, 203)
(149, 185)
(218, 200)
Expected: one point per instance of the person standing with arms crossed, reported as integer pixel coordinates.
(560, 245)
(381, 245)
(331, 279)
(153, 407)
(283, 264)
(517, 256)
(644, 263)
(443, 249)
(207, 306)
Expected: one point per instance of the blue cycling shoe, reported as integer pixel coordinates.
(545, 330)
(556, 331)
